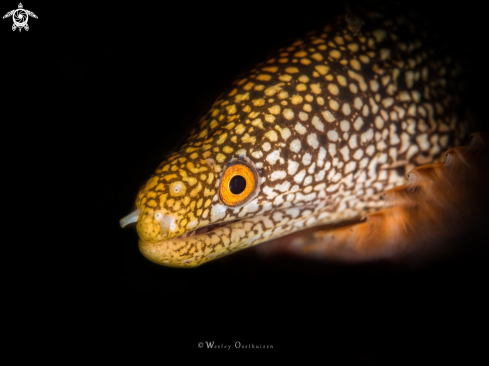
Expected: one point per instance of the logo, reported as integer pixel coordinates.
(20, 17)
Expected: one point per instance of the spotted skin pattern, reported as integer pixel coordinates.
(330, 122)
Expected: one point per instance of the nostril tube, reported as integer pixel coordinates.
(129, 219)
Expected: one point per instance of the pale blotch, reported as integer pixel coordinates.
(412, 110)
(285, 132)
(370, 150)
(353, 47)
(292, 70)
(283, 95)
(333, 89)
(375, 107)
(423, 142)
(334, 105)
(303, 116)
(353, 88)
(312, 140)
(404, 96)
(258, 123)
(332, 149)
(316, 88)
(239, 129)
(323, 70)
(335, 54)
(228, 149)
(349, 167)
(288, 114)
(409, 77)
(317, 56)
(367, 136)
(413, 149)
(341, 80)
(345, 126)
(444, 141)
(220, 158)
(346, 109)
(300, 176)
(357, 103)
(278, 174)
(345, 151)
(263, 77)
(333, 135)
(271, 135)
(275, 109)
(257, 154)
(379, 122)
(358, 154)
(266, 146)
(296, 99)
(394, 136)
(283, 187)
(364, 58)
(312, 168)
(358, 123)
(320, 176)
(365, 110)
(308, 181)
(353, 142)
(321, 156)
(355, 64)
(306, 159)
(273, 157)
(295, 145)
(270, 68)
(316, 122)
(300, 128)
(241, 153)
(387, 102)
(393, 154)
(374, 85)
(328, 116)
(292, 167)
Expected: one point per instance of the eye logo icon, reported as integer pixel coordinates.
(20, 17)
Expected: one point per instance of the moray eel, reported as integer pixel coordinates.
(314, 135)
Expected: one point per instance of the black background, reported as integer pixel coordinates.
(94, 96)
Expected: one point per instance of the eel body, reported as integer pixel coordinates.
(312, 136)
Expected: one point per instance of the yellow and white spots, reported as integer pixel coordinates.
(325, 131)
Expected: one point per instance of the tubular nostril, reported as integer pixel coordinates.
(129, 219)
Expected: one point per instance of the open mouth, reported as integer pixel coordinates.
(203, 230)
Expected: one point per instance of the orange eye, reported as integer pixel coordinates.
(238, 184)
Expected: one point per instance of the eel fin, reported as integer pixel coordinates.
(439, 205)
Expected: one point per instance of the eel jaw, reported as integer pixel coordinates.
(193, 249)
(199, 246)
